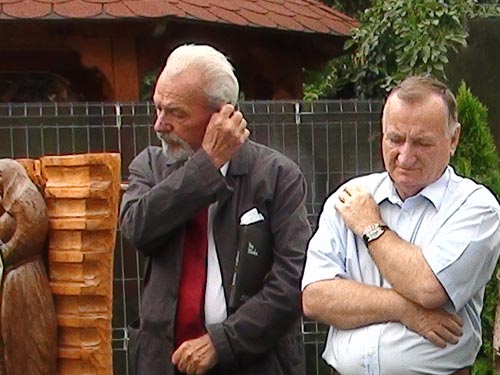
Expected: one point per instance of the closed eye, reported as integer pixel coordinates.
(423, 142)
(396, 139)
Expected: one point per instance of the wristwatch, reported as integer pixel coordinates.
(373, 231)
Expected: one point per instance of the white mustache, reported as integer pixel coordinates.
(172, 138)
(179, 153)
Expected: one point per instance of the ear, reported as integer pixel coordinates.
(454, 139)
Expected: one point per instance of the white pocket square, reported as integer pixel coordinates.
(251, 216)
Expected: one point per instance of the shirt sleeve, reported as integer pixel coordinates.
(464, 251)
(326, 253)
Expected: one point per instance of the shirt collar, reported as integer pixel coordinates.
(434, 192)
(224, 168)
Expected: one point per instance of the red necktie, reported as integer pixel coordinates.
(190, 320)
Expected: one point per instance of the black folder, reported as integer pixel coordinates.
(254, 259)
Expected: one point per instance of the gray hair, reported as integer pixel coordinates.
(416, 88)
(221, 85)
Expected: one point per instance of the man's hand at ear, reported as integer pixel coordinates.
(225, 133)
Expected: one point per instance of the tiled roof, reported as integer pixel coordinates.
(308, 16)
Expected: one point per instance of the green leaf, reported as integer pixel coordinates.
(476, 157)
(400, 36)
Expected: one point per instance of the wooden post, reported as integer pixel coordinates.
(82, 194)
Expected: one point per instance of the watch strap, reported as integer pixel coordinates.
(373, 232)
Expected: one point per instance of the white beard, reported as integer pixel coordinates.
(174, 148)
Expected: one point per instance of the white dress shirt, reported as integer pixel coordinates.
(215, 300)
(456, 224)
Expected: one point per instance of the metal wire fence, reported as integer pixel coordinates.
(331, 141)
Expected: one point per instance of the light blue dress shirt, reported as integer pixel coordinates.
(455, 222)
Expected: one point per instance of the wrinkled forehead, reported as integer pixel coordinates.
(432, 103)
(180, 90)
(417, 97)
(427, 114)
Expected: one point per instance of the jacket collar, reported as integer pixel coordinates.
(239, 164)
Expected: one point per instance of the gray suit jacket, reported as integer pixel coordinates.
(263, 335)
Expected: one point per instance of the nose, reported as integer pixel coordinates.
(161, 124)
(406, 155)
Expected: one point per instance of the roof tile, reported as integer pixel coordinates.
(331, 12)
(154, 8)
(27, 9)
(199, 3)
(312, 24)
(103, 1)
(257, 19)
(276, 8)
(53, 1)
(252, 6)
(197, 12)
(230, 17)
(303, 10)
(284, 22)
(118, 10)
(337, 26)
(300, 15)
(226, 4)
(77, 9)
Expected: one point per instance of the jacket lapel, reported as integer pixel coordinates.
(226, 219)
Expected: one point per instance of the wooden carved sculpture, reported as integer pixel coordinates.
(28, 326)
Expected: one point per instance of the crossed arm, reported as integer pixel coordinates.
(417, 296)
(348, 304)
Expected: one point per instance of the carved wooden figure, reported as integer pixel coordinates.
(28, 325)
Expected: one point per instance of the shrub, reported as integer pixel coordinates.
(477, 158)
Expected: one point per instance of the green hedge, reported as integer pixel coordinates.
(477, 158)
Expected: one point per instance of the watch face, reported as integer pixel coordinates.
(376, 232)
(373, 232)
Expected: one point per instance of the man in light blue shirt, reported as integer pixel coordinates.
(398, 264)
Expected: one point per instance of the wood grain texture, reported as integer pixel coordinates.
(82, 196)
(28, 325)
